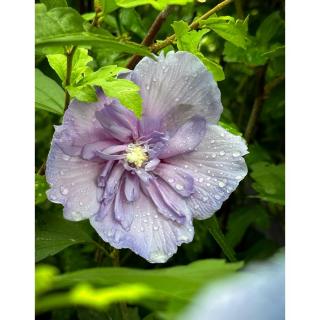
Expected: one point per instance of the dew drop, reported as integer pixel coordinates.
(205, 199)
(148, 87)
(155, 228)
(64, 190)
(238, 177)
(208, 184)
(170, 180)
(221, 184)
(81, 203)
(200, 179)
(179, 187)
(196, 206)
(222, 153)
(212, 141)
(222, 134)
(145, 220)
(62, 172)
(217, 197)
(66, 157)
(213, 155)
(236, 154)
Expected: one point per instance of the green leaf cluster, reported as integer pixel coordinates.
(189, 40)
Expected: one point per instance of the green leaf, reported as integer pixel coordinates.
(127, 92)
(61, 27)
(50, 4)
(269, 27)
(41, 187)
(124, 90)
(231, 128)
(213, 67)
(131, 20)
(257, 154)
(56, 234)
(58, 62)
(240, 220)
(40, 8)
(109, 5)
(269, 182)
(157, 4)
(49, 95)
(229, 29)
(179, 282)
(188, 40)
(215, 230)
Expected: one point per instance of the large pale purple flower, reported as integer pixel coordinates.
(141, 182)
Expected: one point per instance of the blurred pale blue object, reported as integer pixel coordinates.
(256, 293)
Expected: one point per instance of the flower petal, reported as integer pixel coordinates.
(180, 82)
(131, 187)
(79, 127)
(150, 235)
(217, 167)
(186, 138)
(118, 121)
(179, 180)
(73, 183)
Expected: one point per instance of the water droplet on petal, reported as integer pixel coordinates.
(66, 157)
(217, 197)
(155, 228)
(62, 172)
(222, 134)
(213, 155)
(221, 184)
(236, 154)
(238, 177)
(64, 190)
(212, 141)
(205, 199)
(170, 180)
(179, 187)
(222, 153)
(200, 179)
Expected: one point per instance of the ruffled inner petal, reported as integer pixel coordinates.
(118, 121)
(179, 179)
(131, 187)
(186, 138)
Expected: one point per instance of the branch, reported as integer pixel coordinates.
(263, 93)
(194, 25)
(151, 35)
(69, 55)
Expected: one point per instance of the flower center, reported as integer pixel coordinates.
(136, 155)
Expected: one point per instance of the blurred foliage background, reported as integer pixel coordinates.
(80, 277)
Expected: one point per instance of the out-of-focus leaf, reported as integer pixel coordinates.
(58, 62)
(177, 282)
(157, 4)
(49, 95)
(40, 8)
(61, 27)
(44, 277)
(56, 234)
(98, 298)
(50, 4)
(41, 187)
(257, 154)
(241, 219)
(108, 5)
(188, 40)
(269, 182)
(229, 29)
(131, 20)
(88, 16)
(269, 27)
